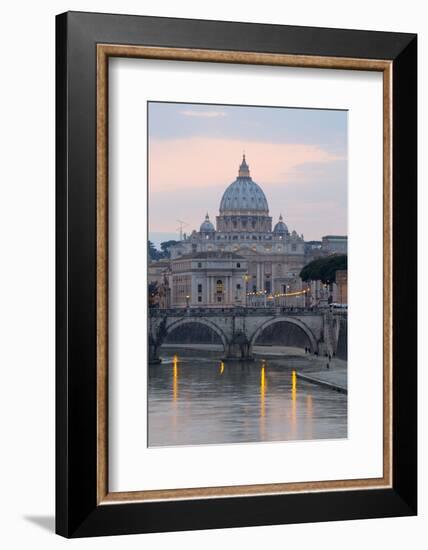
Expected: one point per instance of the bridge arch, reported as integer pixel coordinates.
(196, 320)
(290, 320)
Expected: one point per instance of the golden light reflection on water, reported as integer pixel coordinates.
(175, 362)
(293, 403)
(263, 387)
(262, 390)
(222, 367)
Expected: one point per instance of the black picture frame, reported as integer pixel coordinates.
(77, 511)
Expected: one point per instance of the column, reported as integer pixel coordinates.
(262, 276)
(208, 290)
(193, 290)
(213, 290)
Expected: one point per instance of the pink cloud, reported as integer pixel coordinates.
(203, 114)
(206, 162)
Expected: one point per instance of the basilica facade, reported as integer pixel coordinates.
(244, 259)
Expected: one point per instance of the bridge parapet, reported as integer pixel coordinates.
(235, 312)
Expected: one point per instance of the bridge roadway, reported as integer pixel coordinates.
(238, 328)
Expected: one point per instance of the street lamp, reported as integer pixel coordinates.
(187, 301)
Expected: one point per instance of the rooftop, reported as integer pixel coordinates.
(209, 255)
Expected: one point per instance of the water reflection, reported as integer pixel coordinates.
(262, 389)
(199, 400)
(175, 378)
(262, 400)
(293, 404)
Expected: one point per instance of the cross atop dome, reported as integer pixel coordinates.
(244, 169)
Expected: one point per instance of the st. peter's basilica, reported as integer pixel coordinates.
(241, 261)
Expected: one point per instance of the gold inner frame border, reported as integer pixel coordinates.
(104, 52)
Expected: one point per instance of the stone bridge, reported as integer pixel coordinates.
(239, 328)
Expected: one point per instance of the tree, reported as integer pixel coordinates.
(154, 253)
(324, 269)
(166, 246)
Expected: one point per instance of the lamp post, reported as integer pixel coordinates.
(187, 301)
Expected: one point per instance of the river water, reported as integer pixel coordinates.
(198, 399)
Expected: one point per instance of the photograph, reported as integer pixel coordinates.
(247, 274)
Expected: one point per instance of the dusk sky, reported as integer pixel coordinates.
(297, 156)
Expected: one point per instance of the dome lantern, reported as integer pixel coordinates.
(244, 169)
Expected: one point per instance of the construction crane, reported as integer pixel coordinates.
(180, 228)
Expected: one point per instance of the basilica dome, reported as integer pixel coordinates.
(207, 226)
(244, 195)
(280, 227)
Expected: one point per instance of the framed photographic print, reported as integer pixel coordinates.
(236, 274)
